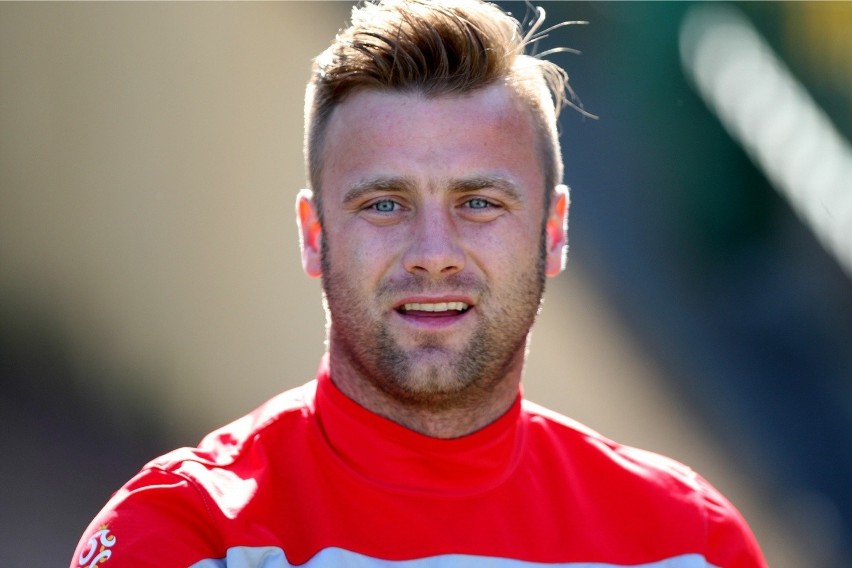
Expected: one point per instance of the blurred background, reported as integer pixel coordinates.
(151, 291)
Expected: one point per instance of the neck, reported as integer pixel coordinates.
(444, 415)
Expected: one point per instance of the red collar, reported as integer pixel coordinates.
(395, 457)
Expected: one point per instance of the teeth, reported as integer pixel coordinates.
(440, 307)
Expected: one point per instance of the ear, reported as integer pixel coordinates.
(556, 231)
(310, 233)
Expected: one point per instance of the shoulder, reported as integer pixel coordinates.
(182, 500)
(596, 452)
(154, 507)
(236, 441)
(647, 489)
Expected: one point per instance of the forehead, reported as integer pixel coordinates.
(378, 133)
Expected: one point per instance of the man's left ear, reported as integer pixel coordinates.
(556, 230)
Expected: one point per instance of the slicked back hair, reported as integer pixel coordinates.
(434, 48)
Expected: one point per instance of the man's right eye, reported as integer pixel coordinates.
(385, 206)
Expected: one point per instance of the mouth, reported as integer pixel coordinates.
(434, 315)
(436, 309)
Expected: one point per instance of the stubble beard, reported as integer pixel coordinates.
(432, 375)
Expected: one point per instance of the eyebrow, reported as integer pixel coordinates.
(401, 184)
(503, 185)
(378, 184)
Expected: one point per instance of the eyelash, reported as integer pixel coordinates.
(375, 206)
(485, 204)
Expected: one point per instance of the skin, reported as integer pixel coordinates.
(429, 202)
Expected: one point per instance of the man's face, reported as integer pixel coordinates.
(435, 242)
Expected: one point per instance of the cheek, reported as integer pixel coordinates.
(363, 256)
(503, 248)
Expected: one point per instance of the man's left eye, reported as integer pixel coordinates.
(478, 203)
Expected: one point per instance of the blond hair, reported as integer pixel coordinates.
(435, 48)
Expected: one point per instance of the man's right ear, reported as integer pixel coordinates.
(310, 233)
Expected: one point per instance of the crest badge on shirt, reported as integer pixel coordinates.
(97, 550)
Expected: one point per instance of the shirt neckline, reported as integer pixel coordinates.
(396, 458)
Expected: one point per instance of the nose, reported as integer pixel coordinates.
(434, 248)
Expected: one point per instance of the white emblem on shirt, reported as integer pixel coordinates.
(97, 549)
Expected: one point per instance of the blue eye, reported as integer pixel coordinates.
(478, 203)
(385, 206)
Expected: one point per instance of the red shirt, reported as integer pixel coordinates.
(312, 477)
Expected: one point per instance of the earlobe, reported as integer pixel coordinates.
(310, 233)
(556, 231)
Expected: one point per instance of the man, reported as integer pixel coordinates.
(436, 212)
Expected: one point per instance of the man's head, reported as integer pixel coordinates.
(432, 144)
(435, 48)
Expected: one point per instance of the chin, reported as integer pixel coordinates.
(440, 384)
(432, 374)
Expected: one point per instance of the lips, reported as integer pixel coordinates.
(434, 313)
(436, 308)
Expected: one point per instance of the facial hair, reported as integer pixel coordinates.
(431, 374)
